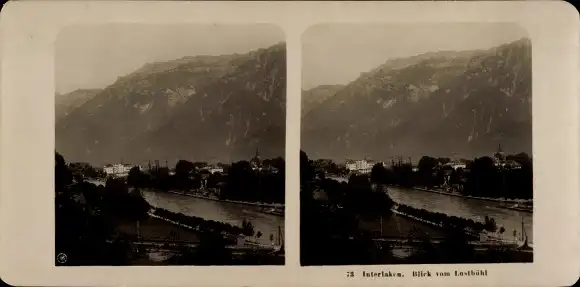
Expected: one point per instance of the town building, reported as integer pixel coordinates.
(213, 170)
(81, 169)
(79, 166)
(455, 165)
(501, 160)
(512, 164)
(360, 166)
(499, 157)
(118, 170)
(270, 169)
(256, 161)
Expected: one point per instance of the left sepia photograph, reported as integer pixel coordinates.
(170, 144)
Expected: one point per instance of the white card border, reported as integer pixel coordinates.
(28, 31)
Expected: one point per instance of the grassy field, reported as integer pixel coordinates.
(478, 257)
(157, 229)
(399, 226)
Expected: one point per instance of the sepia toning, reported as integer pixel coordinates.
(416, 144)
(170, 147)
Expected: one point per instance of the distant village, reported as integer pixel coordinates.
(121, 170)
(452, 172)
(364, 166)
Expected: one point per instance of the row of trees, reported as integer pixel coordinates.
(329, 229)
(239, 182)
(245, 184)
(329, 166)
(453, 222)
(456, 248)
(207, 226)
(481, 177)
(331, 233)
(85, 216)
(211, 226)
(213, 252)
(486, 180)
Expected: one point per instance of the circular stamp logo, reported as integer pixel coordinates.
(61, 258)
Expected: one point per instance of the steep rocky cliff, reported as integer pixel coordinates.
(439, 104)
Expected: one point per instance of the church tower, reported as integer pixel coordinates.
(499, 154)
(256, 162)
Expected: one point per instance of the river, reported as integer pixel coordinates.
(475, 209)
(231, 213)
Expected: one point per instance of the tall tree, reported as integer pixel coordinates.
(484, 178)
(242, 182)
(378, 173)
(426, 168)
(184, 168)
(137, 178)
(62, 174)
(183, 172)
(161, 179)
(307, 172)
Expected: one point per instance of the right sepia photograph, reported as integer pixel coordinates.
(416, 144)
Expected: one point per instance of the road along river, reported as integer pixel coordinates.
(232, 213)
(475, 209)
(469, 208)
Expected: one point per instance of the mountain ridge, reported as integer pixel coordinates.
(399, 107)
(67, 102)
(178, 108)
(315, 96)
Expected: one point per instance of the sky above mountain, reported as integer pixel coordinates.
(94, 56)
(338, 53)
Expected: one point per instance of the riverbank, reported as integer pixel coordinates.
(260, 204)
(518, 208)
(155, 228)
(438, 225)
(199, 224)
(500, 200)
(492, 255)
(399, 226)
(158, 228)
(229, 231)
(488, 236)
(173, 222)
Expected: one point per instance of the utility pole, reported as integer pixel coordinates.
(381, 226)
(138, 231)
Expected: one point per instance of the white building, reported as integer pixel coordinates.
(241, 240)
(118, 170)
(455, 165)
(360, 166)
(215, 169)
(458, 166)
